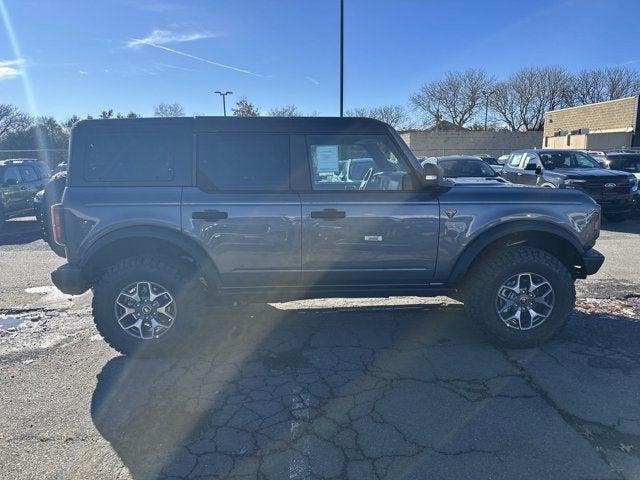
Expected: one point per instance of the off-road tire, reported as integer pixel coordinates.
(179, 280)
(481, 285)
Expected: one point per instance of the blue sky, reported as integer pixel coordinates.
(81, 56)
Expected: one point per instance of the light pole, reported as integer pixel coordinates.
(486, 106)
(341, 58)
(224, 100)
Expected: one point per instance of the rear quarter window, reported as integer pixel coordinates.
(133, 156)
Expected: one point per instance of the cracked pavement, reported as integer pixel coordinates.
(385, 388)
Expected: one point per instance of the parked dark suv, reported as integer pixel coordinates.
(20, 180)
(162, 217)
(573, 169)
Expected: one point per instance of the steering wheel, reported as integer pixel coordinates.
(366, 178)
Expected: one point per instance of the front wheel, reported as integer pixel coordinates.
(147, 305)
(521, 296)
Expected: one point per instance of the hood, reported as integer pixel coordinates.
(507, 193)
(478, 181)
(588, 172)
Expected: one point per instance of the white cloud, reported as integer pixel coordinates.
(313, 80)
(11, 68)
(83, 72)
(162, 37)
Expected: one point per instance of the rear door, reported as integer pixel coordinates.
(31, 183)
(377, 231)
(529, 177)
(512, 170)
(242, 210)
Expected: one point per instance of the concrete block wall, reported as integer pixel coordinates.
(615, 115)
(433, 143)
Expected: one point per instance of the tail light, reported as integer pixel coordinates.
(56, 223)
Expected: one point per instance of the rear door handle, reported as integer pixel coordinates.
(328, 214)
(210, 215)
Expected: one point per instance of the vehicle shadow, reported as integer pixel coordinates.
(20, 231)
(336, 392)
(630, 225)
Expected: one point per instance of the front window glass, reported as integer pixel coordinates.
(567, 159)
(629, 164)
(354, 162)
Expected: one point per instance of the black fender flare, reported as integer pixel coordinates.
(486, 238)
(171, 236)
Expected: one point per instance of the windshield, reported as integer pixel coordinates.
(568, 159)
(626, 163)
(466, 168)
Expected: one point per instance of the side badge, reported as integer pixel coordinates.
(451, 212)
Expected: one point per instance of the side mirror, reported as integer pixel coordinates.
(431, 175)
(539, 170)
(11, 181)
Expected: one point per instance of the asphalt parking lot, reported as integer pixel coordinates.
(388, 388)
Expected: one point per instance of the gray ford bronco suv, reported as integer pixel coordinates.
(162, 218)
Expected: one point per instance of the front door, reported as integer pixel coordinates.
(242, 210)
(365, 226)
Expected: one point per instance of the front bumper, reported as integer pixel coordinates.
(615, 204)
(69, 279)
(592, 261)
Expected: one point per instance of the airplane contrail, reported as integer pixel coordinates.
(194, 57)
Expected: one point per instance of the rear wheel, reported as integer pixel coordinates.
(148, 305)
(521, 296)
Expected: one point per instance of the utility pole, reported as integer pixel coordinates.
(341, 58)
(224, 100)
(486, 106)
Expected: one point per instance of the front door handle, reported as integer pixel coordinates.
(328, 214)
(210, 215)
(519, 174)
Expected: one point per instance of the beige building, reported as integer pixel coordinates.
(598, 126)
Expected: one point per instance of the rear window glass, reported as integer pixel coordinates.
(28, 173)
(132, 157)
(243, 161)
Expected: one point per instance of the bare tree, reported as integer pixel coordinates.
(169, 110)
(12, 120)
(621, 82)
(600, 85)
(244, 108)
(588, 87)
(456, 98)
(68, 124)
(285, 111)
(129, 115)
(522, 100)
(107, 113)
(395, 115)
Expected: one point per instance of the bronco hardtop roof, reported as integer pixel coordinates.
(252, 124)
